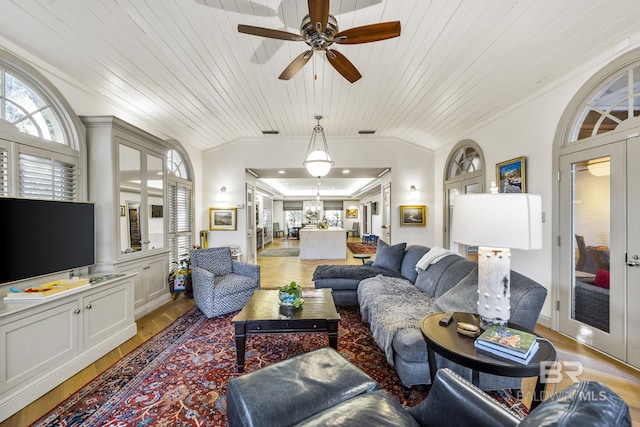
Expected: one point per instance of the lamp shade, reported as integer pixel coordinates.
(498, 220)
(318, 163)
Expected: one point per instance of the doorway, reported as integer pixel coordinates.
(599, 257)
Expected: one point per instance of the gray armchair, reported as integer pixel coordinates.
(220, 284)
(355, 230)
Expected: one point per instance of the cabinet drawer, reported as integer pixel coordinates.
(266, 326)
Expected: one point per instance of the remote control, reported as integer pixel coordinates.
(446, 318)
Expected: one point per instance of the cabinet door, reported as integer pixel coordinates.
(139, 291)
(106, 312)
(154, 238)
(132, 222)
(33, 344)
(155, 277)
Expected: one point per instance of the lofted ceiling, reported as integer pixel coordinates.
(181, 70)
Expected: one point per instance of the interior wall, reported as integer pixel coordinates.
(410, 165)
(527, 129)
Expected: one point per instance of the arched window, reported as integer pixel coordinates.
(180, 207)
(611, 103)
(40, 136)
(464, 174)
(28, 110)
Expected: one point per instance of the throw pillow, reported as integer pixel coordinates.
(602, 279)
(389, 257)
(463, 297)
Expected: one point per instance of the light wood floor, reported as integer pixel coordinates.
(277, 271)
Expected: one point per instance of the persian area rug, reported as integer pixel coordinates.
(357, 248)
(180, 376)
(279, 252)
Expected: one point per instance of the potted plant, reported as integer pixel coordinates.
(180, 277)
(290, 295)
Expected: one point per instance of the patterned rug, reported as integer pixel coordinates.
(279, 252)
(361, 248)
(179, 377)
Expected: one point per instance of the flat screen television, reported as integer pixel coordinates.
(41, 237)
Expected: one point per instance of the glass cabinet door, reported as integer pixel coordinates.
(155, 201)
(130, 230)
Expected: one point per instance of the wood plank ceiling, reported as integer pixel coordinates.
(182, 69)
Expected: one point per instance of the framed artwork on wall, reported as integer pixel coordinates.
(352, 213)
(511, 177)
(222, 218)
(413, 216)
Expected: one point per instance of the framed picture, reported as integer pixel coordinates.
(122, 211)
(510, 176)
(413, 216)
(352, 213)
(222, 218)
(156, 211)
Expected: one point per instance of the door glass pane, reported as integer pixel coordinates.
(452, 193)
(155, 201)
(591, 201)
(130, 176)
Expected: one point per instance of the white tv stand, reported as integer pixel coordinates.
(45, 342)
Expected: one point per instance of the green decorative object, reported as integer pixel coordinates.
(290, 295)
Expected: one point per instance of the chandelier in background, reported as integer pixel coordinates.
(318, 161)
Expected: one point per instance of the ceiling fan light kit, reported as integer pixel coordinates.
(320, 30)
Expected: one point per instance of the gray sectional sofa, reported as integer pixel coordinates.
(394, 297)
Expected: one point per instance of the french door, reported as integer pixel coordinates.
(600, 248)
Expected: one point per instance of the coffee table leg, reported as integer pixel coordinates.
(241, 338)
(333, 334)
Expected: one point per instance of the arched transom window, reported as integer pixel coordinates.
(28, 110)
(465, 160)
(613, 102)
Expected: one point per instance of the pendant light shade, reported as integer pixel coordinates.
(318, 161)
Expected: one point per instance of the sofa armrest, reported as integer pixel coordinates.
(453, 401)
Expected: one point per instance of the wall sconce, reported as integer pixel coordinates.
(223, 189)
(413, 188)
(414, 194)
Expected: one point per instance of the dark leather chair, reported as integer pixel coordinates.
(322, 388)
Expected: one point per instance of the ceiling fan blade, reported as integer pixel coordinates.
(296, 65)
(268, 32)
(343, 65)
(368, 33)
(319, 12)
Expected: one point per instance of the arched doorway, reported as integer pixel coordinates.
(464, 174)
(597, 260)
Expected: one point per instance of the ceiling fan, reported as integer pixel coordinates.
(320, 30)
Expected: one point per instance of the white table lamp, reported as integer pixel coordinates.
(496, 223)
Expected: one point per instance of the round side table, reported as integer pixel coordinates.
(362, 257)
(460, 349)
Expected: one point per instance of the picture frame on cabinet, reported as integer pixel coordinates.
(413, 216)
(222, 218)
(157, 211)
(123, 211)
(510, 176)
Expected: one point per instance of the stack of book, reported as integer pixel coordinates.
(509, 343)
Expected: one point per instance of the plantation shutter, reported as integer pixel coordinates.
(180, 222)
(4, 172)
(46, 178)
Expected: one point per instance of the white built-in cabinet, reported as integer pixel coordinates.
(45, 342)
(127, 181)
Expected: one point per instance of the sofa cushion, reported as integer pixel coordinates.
(462, 297)
(352, 272)
(430, 281)
(389, 257)
(412, 255)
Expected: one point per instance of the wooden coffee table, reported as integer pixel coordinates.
(264, 315)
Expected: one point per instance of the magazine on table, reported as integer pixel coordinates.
(504, 340)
